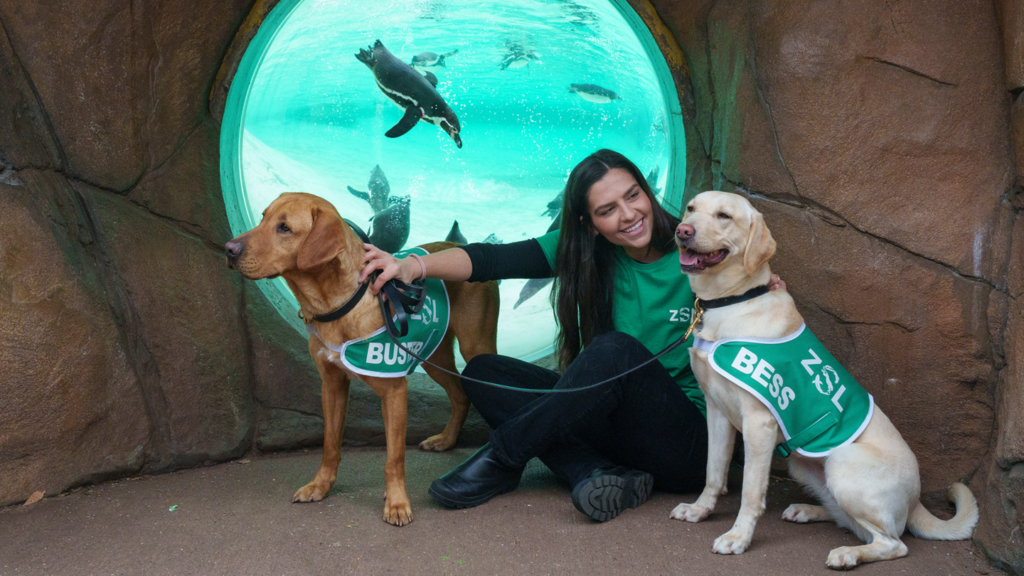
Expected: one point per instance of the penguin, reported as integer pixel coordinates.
(531, 288)
(456, 235)
(410, 91)
(554, 208)
(652, 181)
(425, 60)
(517, 56)
(534, 285)
(379, 193)
(390, 227)
(594, 93)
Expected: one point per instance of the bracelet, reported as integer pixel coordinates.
(423, 267)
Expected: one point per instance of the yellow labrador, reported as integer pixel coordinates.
(870, 485)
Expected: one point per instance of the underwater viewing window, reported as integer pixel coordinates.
(534, 86)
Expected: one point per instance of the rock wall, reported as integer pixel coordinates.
(876, 138)
(1002, 502)
(884, 141)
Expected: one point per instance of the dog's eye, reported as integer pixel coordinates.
(282, 227)
(689, 208)
(724, 216)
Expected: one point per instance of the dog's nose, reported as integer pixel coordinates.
(685, 232)
(232, 250)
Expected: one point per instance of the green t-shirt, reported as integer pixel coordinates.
(652, 303)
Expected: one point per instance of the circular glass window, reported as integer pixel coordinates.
(512, 96)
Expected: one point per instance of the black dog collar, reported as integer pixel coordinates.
(730, 300)
(355, 298)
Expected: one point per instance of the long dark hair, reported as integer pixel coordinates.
(585, 262)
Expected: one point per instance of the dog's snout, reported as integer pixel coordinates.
(233, 250)
(684, 232)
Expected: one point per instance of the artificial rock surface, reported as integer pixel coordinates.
(883, 140)
(72, 409)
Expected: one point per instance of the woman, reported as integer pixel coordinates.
(617, 280)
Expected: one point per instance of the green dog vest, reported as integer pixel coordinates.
(818, 405)
(377, 355)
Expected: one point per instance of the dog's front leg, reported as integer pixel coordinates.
(759, 432)
(721, 438)
(334, 386)
(394, 396)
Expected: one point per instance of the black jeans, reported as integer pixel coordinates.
(642, 420)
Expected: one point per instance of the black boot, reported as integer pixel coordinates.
(606, 492)
(481, 477)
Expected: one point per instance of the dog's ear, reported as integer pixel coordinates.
(323, 243)
(760, 244)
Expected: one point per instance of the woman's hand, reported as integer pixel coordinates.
(776, 283)
(406, 269)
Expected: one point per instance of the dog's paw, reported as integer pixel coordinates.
(690, 512)
(398, 515)
(437, 443)
(803, 513)
(312, 492)
(732, 542)
(843, 558)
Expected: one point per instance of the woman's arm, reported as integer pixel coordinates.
(474, 262)
(451, 264)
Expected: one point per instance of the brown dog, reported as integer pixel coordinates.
(303, 239)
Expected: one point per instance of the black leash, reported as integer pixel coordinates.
(666, 350)
(391, 334)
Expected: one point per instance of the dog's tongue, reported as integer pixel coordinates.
(688, 258)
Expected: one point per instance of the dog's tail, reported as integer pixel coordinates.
(923, 524)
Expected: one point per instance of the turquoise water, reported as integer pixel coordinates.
(315, 119)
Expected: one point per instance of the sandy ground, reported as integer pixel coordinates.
(237, 518)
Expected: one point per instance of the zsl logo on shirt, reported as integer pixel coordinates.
(681, 315)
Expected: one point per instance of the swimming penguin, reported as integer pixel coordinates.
(594, 93)
(517, 56)
(555, 206)
(425, 60)
(390, 227)
(534, 285)
(410, 91)
(456, 235)
(379, 193)
(530, 289)
(652, 181)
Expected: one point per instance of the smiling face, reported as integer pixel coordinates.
(721, 228)
(621, 212)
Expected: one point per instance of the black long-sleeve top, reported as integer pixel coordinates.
(523, 259)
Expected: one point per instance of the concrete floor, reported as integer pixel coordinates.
(237, 518)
